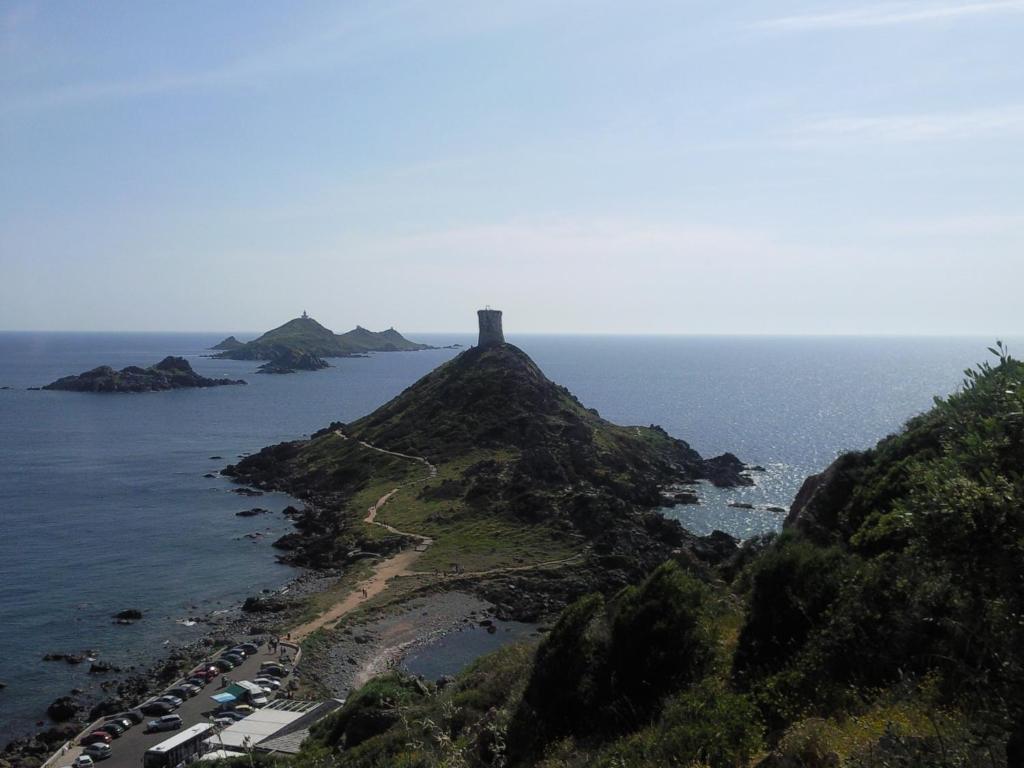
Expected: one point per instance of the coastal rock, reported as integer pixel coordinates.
(252, 512)
(169, 373)
(108, 707)
(63, 709)
(264, 605)
(676, 496)
(726, 471)
(286, 360)
(716, 547)
(133, 614)
(741, 505)
(246, 492)
(816, 507)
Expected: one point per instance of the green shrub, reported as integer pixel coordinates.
(659, 644)
(372, 710)
(707, 726)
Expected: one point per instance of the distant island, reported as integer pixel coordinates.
(229, 343)
(300, 344)
(288, 360)
(169, 373)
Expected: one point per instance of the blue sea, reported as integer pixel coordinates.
(104, 504)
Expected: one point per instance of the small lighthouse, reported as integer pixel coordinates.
(491, 334)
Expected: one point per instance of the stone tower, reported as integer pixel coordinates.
(491, 334)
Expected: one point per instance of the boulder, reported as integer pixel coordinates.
(63, 709)
(726, 471)
(252, 512)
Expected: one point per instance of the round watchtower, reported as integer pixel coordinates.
(491, 334)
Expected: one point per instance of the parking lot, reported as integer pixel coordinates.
(128, 750)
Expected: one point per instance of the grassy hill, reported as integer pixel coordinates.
(523, 471)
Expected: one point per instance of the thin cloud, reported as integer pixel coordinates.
(913, 128)
(337, 41)
(890, 15)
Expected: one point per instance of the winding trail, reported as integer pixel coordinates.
(399, 565)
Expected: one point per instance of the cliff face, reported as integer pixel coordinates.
(169, 373)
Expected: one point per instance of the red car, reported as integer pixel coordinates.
(207, 673)
(96, 737)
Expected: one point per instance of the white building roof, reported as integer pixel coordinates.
(260, 724)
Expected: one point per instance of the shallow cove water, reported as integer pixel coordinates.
(104, 504)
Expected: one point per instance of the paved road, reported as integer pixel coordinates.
(128, 750)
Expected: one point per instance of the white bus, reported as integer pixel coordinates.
(178, 750)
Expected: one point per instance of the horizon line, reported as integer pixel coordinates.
(619, 334)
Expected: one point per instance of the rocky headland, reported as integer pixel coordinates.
(169, 373)
(227, 344)
(488, 440)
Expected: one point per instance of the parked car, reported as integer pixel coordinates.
(268, 682)
(96, 737)
(249, 648)
(99, 751)
(205, 671)
(234, 658)
(156, 707)
(123, 720)
(181, 692)
(240, 651)
(165, 723)
(245, 709)
(223, 664)
(235, 715)
(170, 698)
(114, 728)
(223, 721)
(131, 717)
(273, 668)
(82, 761)
(198, 682)
(259, 701)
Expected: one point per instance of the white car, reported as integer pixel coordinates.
(267, 682)
(82, 761)
(165, 723)
(98, 751)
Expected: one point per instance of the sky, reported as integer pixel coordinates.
(686, 167)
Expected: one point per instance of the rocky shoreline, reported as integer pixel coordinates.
(119, 690)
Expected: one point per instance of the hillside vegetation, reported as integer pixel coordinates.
(882, 628)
